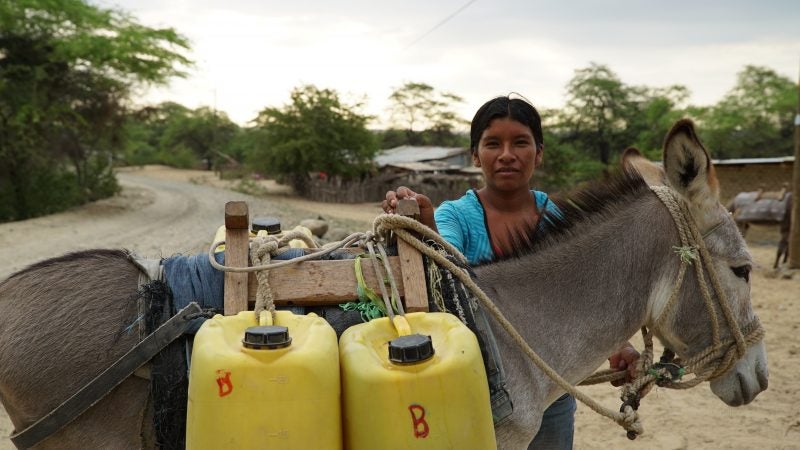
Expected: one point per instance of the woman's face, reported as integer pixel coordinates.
(507, 155)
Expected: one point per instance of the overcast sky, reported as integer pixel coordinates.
(250, 54)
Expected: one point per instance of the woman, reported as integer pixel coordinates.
(506, 142)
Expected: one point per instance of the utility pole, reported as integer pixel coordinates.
(794, 232)
(212, 154)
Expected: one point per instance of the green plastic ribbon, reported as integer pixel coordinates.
(369, 303)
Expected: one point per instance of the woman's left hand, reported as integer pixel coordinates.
(389, 205)
(624, 359)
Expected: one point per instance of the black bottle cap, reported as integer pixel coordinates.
(271, 224)
(267, 337)
(410, 349)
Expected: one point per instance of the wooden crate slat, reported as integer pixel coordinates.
(316, 283)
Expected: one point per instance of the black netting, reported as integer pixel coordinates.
(169, 379)
(446, 293)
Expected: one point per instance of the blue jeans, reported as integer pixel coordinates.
(558, 426)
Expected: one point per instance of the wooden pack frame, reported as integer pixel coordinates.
(315, 283)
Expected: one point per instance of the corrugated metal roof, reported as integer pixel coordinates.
(425, 166)
(407, 153)
(742, 161)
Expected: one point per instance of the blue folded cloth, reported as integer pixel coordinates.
(193, 279)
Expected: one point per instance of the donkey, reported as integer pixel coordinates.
(765, 208)
(580, 293)
(760, 207)
(574, 295)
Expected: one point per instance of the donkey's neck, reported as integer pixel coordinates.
(576, 302)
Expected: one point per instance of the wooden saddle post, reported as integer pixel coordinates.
(416, 299)
(237, 250)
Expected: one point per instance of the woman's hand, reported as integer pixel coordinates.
(624, 359)
(389, 205)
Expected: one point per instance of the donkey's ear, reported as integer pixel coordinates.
(634, 161)
(689, 169)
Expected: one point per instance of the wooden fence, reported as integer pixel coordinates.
(438, 187)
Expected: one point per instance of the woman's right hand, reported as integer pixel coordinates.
(389, 205)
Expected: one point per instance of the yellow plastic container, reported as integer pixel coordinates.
(264, 398)
(438, 403)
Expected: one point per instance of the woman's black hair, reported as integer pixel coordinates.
(516, 108)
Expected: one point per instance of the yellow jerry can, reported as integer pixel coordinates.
(264, 387)
(425, 389)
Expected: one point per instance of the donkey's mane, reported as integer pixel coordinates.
(592, 203)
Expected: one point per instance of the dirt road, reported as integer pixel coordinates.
(161, 212)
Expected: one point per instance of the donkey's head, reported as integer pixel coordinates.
(716, 332)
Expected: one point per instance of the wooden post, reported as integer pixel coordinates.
(794, 228)
(237, 249)
(416, 291)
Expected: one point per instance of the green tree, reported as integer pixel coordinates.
(145, 128)
(656, 110)
(205, 132)
(754, 119)
(426, 115)
(565, 164)
(597, 112)
(66, 71)
(314, 133)
(603, 115)
(172, 134)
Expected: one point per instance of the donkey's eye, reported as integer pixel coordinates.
(742, 272)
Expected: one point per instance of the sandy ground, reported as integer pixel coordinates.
(163, 211)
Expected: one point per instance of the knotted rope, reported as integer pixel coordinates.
(261, 250)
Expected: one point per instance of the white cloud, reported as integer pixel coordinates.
(250, 55)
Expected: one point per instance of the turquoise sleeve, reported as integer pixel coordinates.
(447, 222)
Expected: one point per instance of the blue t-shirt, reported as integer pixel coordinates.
(462, 223)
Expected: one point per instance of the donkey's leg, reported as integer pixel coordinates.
(783, 246)
(783, 249)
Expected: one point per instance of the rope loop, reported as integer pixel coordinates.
(261, 250)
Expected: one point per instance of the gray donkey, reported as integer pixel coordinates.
(574, 296)
(579, 295)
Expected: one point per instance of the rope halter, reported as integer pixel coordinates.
(722, 354)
